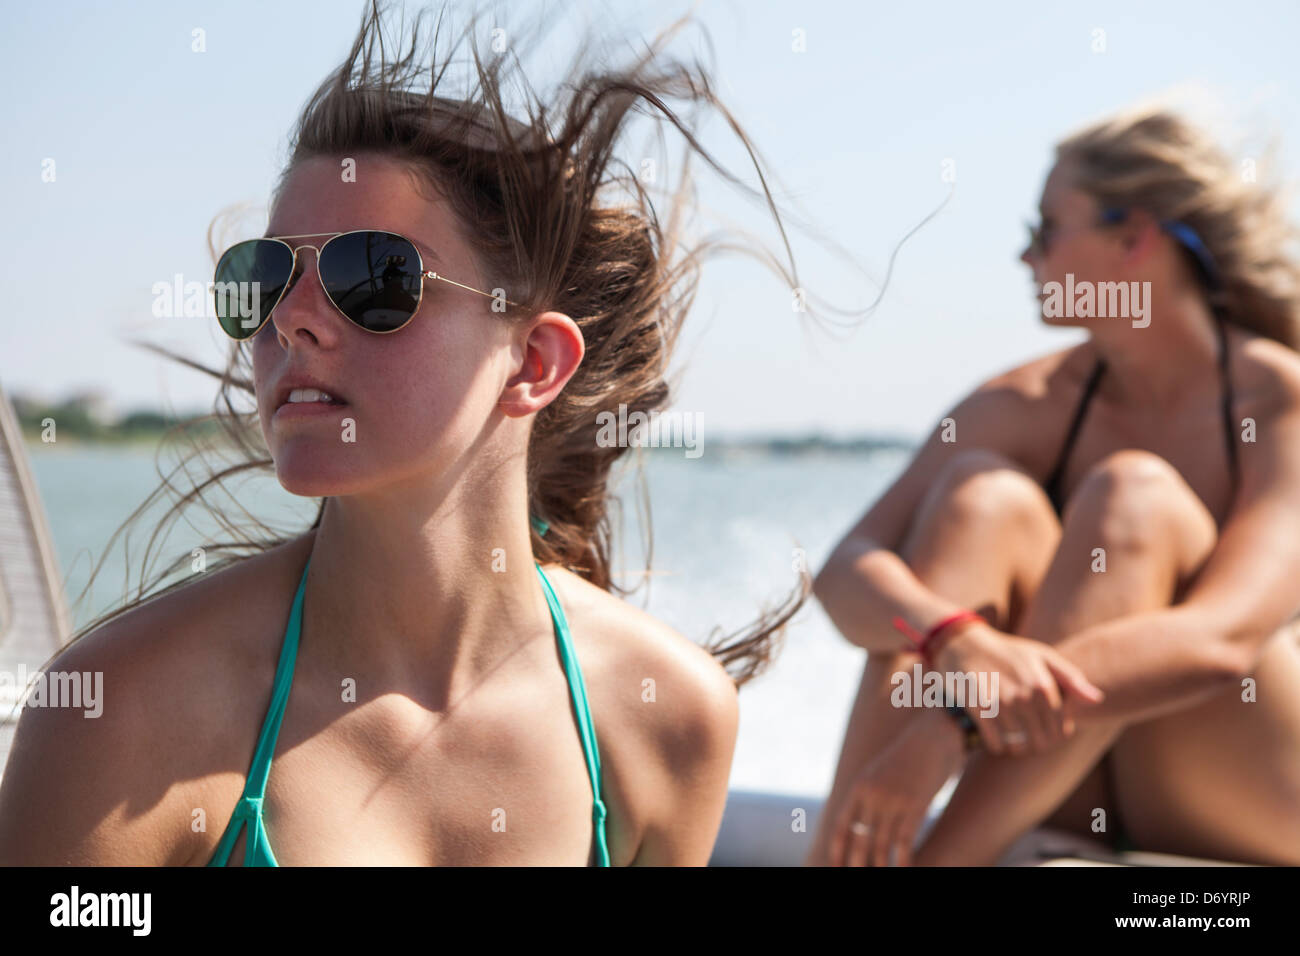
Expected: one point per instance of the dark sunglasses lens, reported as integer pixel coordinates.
(250, 279)
(373, 277)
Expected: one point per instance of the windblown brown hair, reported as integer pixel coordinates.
(559, 222)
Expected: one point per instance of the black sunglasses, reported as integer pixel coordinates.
(375, 279)
(1041, 235)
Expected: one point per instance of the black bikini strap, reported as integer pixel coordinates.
(1229, 428)
(1058, 473)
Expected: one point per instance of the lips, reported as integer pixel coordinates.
(291, 411)
(300, 390)
(306, 395)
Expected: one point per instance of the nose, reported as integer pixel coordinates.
(1032, 258)
(304, 311)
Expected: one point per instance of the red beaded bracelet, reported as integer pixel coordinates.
(926, 645)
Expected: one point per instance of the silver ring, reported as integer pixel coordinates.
(860, 828)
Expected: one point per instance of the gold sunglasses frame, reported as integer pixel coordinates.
(419, 256)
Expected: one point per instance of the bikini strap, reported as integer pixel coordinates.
(582, 712)
(1229, 429)
(255, 787)
(1058, 472)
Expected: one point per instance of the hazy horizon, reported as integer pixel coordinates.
(861, 112)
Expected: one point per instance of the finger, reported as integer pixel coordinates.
(835, 842)
(1054, 707)
(1069, 715)
(989, 733)
(892, 833)
(1015, 739)
(1067, 723)
(908, 826)
(1050, 721)
(859, 840)
(841, 833)
(1072, 679)
(1032, 719)
(1044, 717)
(856, 831)
(882, 825)
(1054, 713)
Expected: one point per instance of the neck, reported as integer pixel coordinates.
(423, 594)
(1156, 366)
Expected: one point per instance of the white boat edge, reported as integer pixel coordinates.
(34, 617)
(777, 829)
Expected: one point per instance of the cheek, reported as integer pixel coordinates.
(262, 358)
(432, 393)
(419, 398)
(1088, 262)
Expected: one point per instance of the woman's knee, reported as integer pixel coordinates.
(983, 487)
(1136, 501)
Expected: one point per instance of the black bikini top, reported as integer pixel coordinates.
(1053, 484)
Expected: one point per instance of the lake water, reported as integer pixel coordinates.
(726, 526)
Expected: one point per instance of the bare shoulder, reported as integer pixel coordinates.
(1266, 373)
(1009, 409)
(666, 713)
(1040, 378)
(630, 658)
(108, 783)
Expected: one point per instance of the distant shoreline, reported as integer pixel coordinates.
(774, 445)
(77, 422)
(74, 433)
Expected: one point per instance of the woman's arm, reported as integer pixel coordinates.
(89, 790)
(864, 584)
(1156, 662)
(697, 716)
(999, 798)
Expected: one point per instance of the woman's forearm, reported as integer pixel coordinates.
(1153, 663)
(863, 587)
(999, 798)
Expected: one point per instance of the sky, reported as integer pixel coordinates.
(870, 116)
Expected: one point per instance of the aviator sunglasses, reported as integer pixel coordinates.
(374, 279)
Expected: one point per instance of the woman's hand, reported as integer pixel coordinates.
(1034, 685)
(886, 804)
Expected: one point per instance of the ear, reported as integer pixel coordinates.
(1140, 235)
(548, 352)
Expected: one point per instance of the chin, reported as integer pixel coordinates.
(316, 472)
(1060, 321)
(315, 486)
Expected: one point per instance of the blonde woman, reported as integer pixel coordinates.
(1114, 533)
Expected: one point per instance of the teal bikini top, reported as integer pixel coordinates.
(257, 849)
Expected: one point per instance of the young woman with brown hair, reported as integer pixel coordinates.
(446, 298)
